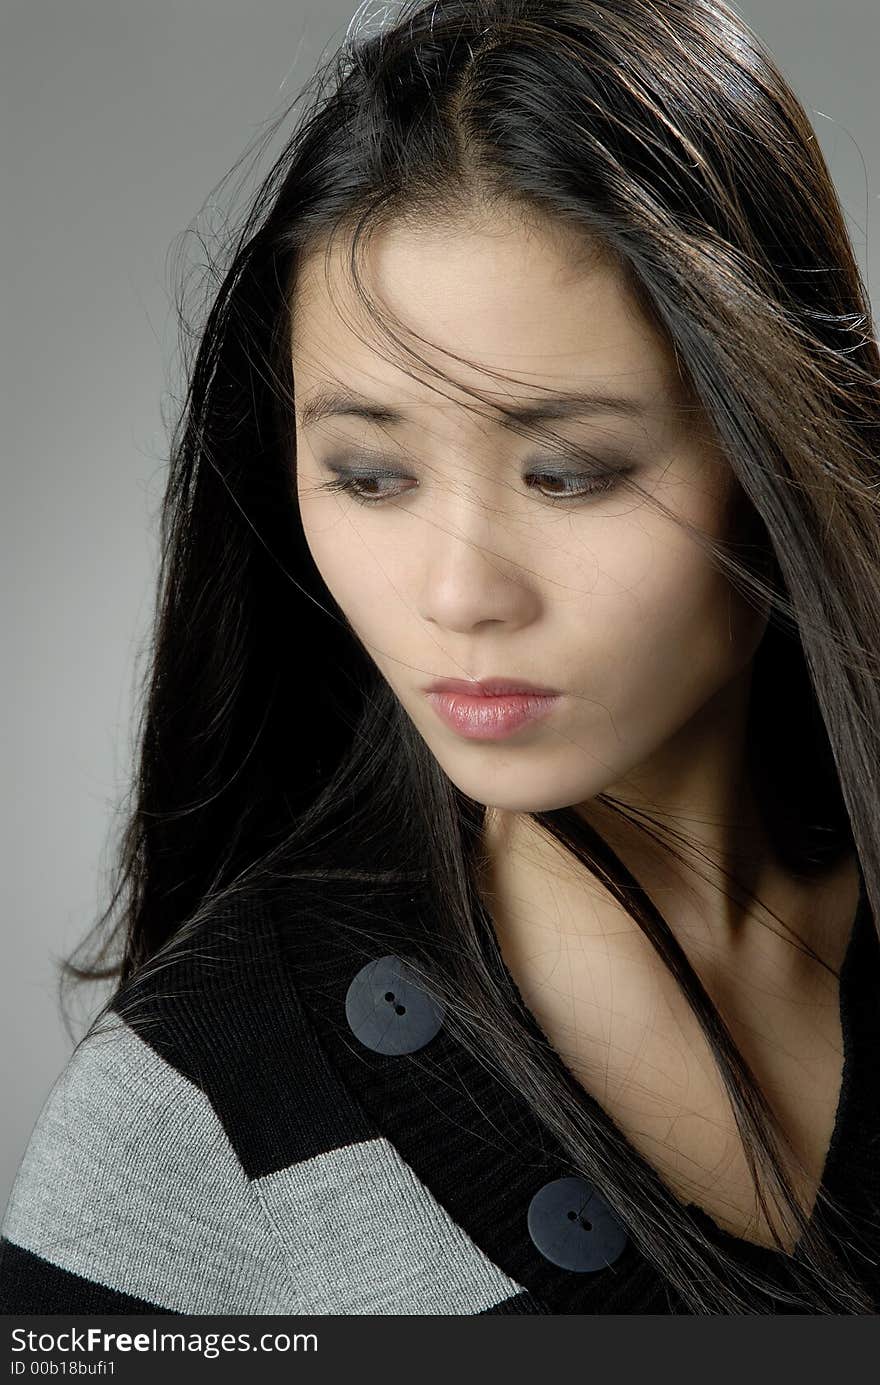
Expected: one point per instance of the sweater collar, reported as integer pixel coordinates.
(473, 1142)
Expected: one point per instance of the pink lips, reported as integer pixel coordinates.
(489, 709)
(487, 687)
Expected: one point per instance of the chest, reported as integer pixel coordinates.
(618, 1020)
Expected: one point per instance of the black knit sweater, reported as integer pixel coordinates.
(231, 1147)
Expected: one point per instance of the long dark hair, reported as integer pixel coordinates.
(665, 133)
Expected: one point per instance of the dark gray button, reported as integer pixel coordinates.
(388, 1011)
(573, 1226)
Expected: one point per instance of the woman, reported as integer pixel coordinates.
(543, 366)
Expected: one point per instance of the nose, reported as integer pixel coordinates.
(469, 579)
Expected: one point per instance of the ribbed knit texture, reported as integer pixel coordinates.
(231, 1147)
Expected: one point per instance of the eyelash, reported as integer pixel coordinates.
(600, 484)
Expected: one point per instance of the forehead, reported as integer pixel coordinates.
(539, 307)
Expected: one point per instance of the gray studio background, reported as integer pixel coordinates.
(118, 121)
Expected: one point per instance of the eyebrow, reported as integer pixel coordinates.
(326, 402)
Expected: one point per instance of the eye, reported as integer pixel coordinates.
(575, 485)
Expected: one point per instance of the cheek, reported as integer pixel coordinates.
(358, 578)
(659, 627)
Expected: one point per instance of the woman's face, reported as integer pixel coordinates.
(470, 565)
